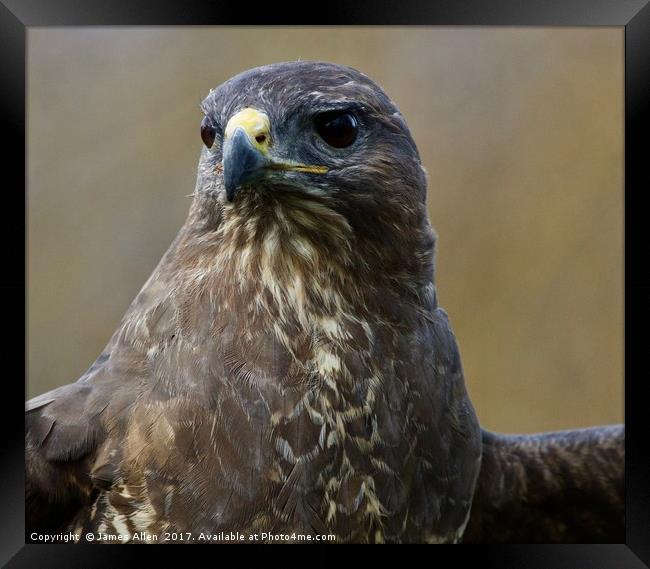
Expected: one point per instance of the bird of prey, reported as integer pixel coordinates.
(286, 369)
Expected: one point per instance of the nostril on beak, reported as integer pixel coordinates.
(260, 138)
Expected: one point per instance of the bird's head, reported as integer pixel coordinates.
(317, 147)
(312, 127)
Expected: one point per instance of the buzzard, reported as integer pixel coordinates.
(286, 369)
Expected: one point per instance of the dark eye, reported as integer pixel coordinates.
(208, 132)
(338, 128)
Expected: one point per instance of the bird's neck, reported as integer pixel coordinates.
(303, 272)
(304, 257)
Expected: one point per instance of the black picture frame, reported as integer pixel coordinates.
(16, 16)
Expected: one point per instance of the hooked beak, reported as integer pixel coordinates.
(247, 141)
(242, 162)
(245, 149)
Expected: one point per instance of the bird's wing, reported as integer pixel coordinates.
(446, 430)
(63, 429)
(559, 487)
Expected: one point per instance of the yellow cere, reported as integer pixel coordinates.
(255, 124)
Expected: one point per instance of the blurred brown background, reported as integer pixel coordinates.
(521, 131)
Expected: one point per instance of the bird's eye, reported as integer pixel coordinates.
(338, 128)
(208, 132)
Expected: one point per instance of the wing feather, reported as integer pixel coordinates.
(559, 487)
(63, 429)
